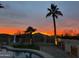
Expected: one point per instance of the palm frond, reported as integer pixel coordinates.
(59, 13)
(56, 9)
(53, 7)
(48, 14)
(49, 9)
(56, 16)
(1, 6)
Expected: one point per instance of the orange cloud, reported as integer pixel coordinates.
(7, 30)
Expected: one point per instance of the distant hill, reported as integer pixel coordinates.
(23, 37)
(5, 37)
(42, 37)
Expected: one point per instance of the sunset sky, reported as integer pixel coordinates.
(18, 15)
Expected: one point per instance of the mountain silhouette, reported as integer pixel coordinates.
(37, 37)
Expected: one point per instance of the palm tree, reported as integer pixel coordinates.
(30, 30)
(54, 12)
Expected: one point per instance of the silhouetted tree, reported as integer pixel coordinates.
(54, 12)
(30, 30)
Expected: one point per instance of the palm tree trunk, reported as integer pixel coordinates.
(54, 22)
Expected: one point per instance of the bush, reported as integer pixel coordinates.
(29, 46)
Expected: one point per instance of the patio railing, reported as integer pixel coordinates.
(29, 53)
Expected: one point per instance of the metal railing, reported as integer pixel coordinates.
(30, 52)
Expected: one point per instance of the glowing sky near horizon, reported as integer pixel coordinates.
(18, 15)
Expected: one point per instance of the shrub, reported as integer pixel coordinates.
(29, 46)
